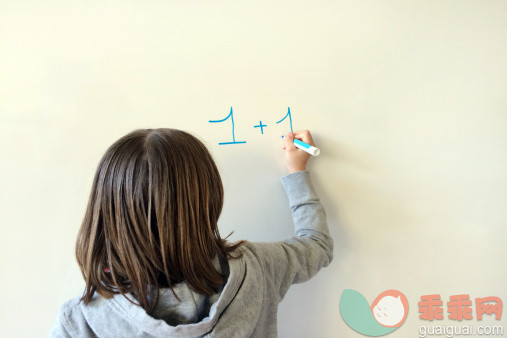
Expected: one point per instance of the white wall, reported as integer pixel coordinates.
(405, 99)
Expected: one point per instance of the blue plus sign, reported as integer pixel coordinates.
(261, 125)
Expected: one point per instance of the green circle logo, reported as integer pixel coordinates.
(387, 312)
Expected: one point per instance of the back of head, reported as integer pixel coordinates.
(151, 219)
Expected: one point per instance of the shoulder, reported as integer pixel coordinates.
(70, 304)
(259, 254)
(71, 320)
(248, 254)
(262, 250)
(251, 250)
(67, 315)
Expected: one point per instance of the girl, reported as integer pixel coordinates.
(152, 257)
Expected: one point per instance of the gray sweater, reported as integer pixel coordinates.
(246, 305)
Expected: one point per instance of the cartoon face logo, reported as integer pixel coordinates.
(385, 314)
(390, 308)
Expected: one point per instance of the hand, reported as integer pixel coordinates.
(295, 158)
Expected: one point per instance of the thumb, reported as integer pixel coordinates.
(289, 142)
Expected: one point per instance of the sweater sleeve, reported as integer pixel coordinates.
(299, 258)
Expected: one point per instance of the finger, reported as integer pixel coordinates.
(305, 136)
(289, 142)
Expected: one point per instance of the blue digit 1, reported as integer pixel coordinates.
(233, 138)
(290, 119)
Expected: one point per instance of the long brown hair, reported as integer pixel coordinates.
(151, 219)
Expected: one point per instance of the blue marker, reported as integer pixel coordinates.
(306, 147)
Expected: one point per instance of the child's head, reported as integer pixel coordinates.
(152, 218)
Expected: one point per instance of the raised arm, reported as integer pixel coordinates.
(299, 258)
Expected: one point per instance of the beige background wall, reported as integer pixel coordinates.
(406, 100)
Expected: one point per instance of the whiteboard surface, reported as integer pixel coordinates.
(406, 101)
